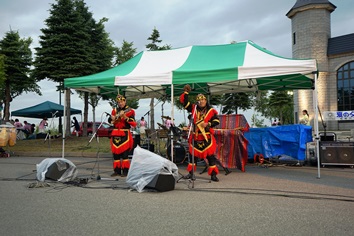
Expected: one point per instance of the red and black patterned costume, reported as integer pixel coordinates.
(121, 139)
(203, 148)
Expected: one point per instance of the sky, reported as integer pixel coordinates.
(180, 23)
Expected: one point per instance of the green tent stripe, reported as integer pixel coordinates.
(211, 63)
(106, 78)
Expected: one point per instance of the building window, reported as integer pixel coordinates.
(294, 38)
(345, 87)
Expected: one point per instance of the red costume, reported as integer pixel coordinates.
(204, 144)
(121, 138)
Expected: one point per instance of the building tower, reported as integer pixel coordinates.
(311, 30)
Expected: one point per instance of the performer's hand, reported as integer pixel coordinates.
(204, 124)
(187, 88)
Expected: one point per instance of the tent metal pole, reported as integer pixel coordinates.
(315, 104)
(172, 117)
(64, 124)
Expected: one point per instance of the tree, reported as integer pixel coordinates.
(72, 45)
(231, 102)
(102, 53)
(124, 53)
(16, 63)
(256, 122)
(155, 39)
(279, 103)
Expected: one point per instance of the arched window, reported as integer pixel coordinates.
(345, 87)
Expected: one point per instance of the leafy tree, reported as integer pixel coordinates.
(279, 102)
(153, 46)
(231, 102)
(16, 63)
(256, 122)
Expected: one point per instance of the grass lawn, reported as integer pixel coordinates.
(72, 144)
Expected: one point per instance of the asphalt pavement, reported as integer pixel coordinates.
(279, 200)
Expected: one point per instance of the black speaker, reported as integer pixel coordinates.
(56, 170)
(162, 183)
(328, 136)
(337, 153)
(136, 139)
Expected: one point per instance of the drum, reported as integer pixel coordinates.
(180, 152)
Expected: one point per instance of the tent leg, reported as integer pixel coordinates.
(315, 104)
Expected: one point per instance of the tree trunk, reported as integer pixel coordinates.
(86, 106)
(7, 102)
(152, 114)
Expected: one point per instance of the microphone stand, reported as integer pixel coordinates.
(98, 148)
(48, 133)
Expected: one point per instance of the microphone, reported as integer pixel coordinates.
(55, 113)
(197, 102)
(107, 114)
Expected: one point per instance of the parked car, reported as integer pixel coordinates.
(104, 131)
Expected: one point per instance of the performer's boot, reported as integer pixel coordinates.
(117, 172)
(190, 168)
(125, 172)
(213, 171)
(213, 177)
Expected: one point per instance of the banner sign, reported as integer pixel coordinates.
(338, 115)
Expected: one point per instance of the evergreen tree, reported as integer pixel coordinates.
(102, 51)
(124, 53)
(16, 63)
(72, 45)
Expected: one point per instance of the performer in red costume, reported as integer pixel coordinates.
(123, 118)
(204, 118)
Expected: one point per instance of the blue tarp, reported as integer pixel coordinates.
(273, 141)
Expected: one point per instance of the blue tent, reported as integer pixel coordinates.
(45, 109)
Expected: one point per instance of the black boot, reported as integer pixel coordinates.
(213, 177)
(125, 172)
(117, 172)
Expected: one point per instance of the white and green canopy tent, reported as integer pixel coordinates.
(209, 69)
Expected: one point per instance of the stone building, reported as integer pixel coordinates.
(311, 38)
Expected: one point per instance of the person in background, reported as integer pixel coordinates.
(142, 127)
(123, 119)
(168, 122)
(42, 125)
(27, 128)
(76, 126)
(274, 123)
(305, 119)
(18, 124)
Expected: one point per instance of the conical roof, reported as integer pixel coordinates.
(306, 3)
